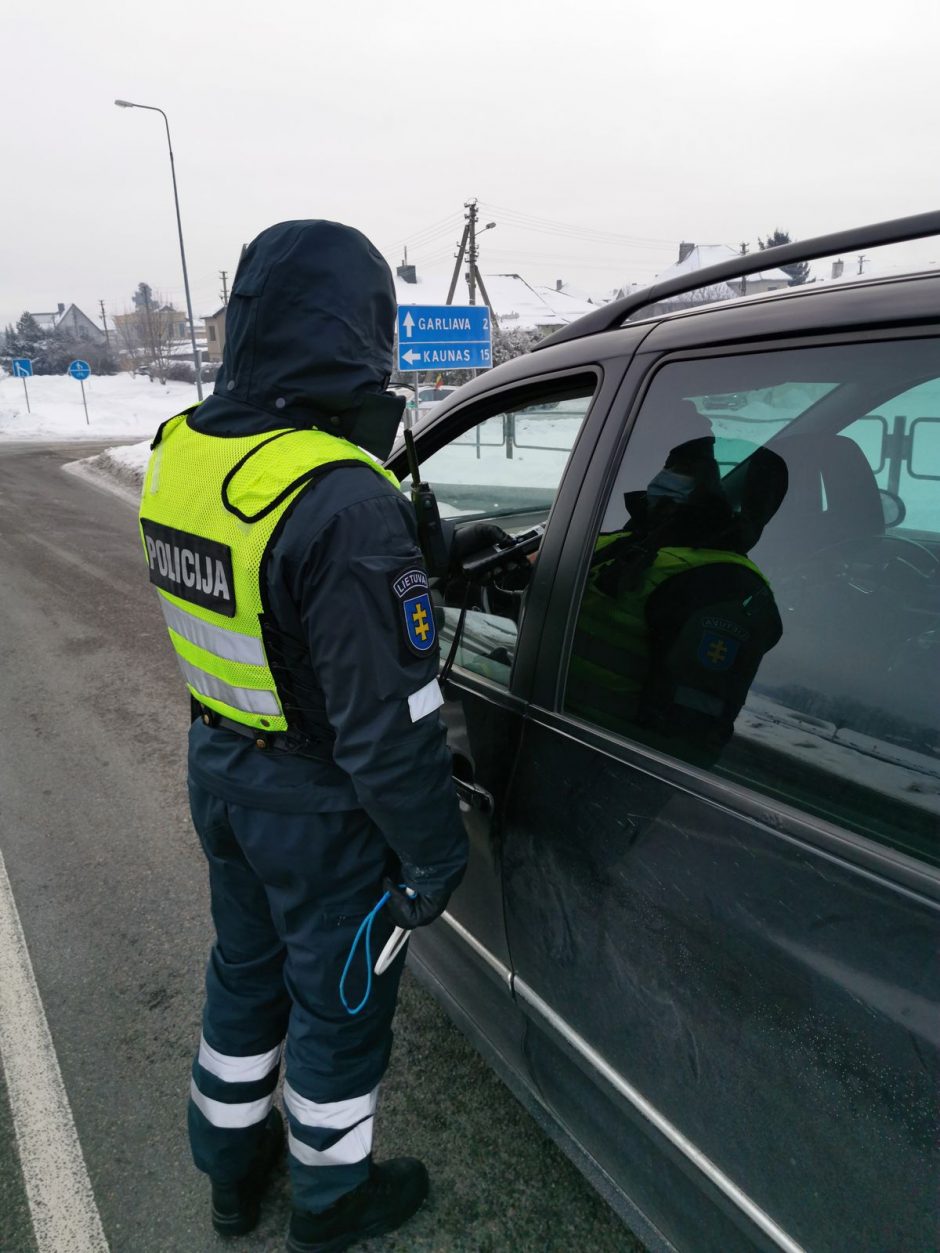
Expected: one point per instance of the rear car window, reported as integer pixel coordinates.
(778, 621)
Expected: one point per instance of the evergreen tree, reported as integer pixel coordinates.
(797, 270)
(29, 331)
(23, 340)
(514, 341)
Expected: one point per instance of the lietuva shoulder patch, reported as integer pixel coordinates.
(413, 597)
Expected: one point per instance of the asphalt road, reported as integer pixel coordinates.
(110, 887)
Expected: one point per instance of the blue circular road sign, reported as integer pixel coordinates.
(80, 370)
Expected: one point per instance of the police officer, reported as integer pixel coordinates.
(287, 569)
(676, 617)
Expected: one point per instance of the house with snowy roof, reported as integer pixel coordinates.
(694, 257)
(215, 334)
(72, 322)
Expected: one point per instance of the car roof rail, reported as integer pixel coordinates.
(610, 317)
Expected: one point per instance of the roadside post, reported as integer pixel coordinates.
(80, 370)
(23, 369)
(443, 337)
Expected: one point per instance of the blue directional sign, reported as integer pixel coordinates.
(22, 368)
(444, 337)
(80, 370)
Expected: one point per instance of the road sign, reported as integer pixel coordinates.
(80, 370)
(23, 369)
(444, 337)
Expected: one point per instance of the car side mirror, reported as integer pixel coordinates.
(893, 509)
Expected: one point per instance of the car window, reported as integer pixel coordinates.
(750, 601)
(502, 467)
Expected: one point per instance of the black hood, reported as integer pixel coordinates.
(309, 332)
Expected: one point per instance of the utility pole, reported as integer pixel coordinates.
(861, 263)
(743, 276)
(104, 323)
(223, 274)
(460, 256)
(486, 299)
(468, 248)
(471, 207)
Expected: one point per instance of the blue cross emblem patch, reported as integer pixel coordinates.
(419, 622)
(716, 651)
(413, 593)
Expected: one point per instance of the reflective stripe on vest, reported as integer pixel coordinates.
(231, 645)
(209, 510)
(610, 655)
(208, 688)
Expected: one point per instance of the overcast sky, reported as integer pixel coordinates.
(635, 124)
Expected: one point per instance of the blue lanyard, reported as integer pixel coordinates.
(365, 929)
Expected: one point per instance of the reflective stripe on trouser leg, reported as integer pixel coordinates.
(229, 1100)
(247, 1005)
(332, 1140)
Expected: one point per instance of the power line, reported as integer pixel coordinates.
(551, 226)
(430, 258)
(553, 223)
(584, 237)
(419, 238)
(557, 259)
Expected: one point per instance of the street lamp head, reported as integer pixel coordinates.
(125, 104)
(489, 226)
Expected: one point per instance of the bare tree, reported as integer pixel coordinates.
(149, 332)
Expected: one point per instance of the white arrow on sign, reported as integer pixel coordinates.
(408, 324)
(411, 356)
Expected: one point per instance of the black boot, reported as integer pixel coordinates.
(392, 1193)
(235, 1206)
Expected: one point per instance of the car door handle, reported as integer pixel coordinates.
(474, 797)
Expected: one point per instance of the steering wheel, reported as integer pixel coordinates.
(882, 566)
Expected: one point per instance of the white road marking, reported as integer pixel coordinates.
(61, 1202)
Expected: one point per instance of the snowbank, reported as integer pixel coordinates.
(125, 465)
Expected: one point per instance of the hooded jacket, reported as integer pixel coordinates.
(309, 335)
(309, 332)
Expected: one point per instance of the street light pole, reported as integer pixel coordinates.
(197, 359)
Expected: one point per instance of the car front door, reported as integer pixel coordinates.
(498, 459)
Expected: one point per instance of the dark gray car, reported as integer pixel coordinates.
(711, 971)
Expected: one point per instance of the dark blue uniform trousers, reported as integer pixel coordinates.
(288, 894)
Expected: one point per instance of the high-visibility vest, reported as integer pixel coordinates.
(611, 656)
(209, 510)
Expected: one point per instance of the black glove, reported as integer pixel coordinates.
(414, 911)
(474, 537)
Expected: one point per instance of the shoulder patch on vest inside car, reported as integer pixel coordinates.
(412, 593)
(717, 651)
(191, 567)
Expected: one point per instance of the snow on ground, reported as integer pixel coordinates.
(120, 406)
(122, 468)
